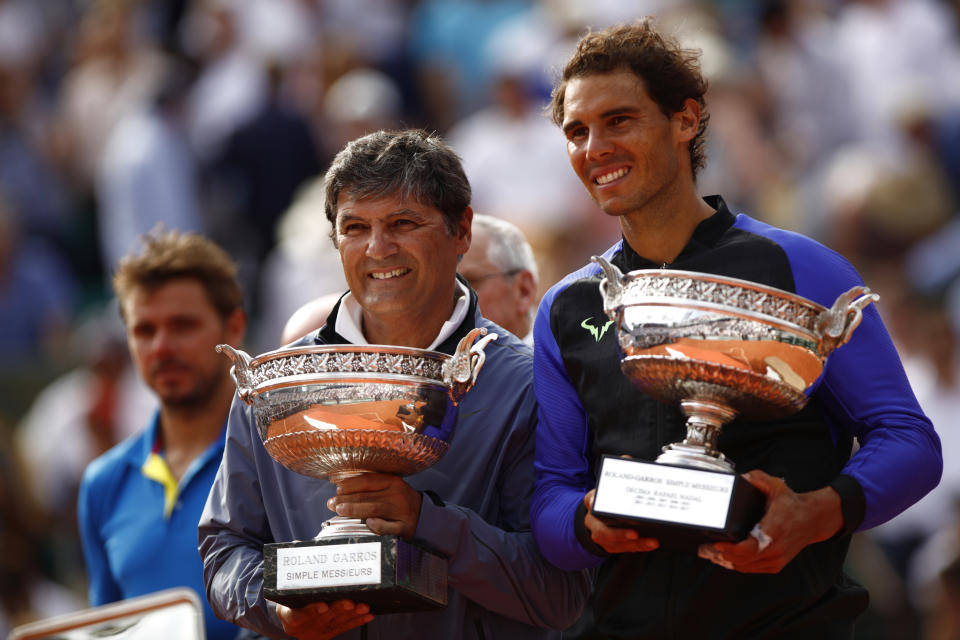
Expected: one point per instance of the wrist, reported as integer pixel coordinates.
(853, 502)
(827, 511)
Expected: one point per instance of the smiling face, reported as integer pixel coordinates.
(400, 262)
(628, 154)
(172, 332)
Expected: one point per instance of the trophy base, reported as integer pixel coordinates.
(389, 574)
(682, 507)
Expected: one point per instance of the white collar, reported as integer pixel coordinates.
(350, 318)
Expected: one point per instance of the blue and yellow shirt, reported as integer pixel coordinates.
(139, 524)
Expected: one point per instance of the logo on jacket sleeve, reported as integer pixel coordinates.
(596, 332)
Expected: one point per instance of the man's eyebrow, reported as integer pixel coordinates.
(402, 211)
(571, 125)
(606, 114)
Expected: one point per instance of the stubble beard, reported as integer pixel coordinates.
(198, 397)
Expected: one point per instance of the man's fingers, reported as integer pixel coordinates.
(383, 510)
(323, 621)
(383, 527)
(618, 539)
(627, 545)
(765, 482)
(366, 483)
(614, 539)
(346, 613)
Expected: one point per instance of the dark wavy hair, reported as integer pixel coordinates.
(410, 163)
(670, 74)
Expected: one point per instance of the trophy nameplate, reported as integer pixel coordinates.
(389, 574)
(680, 506)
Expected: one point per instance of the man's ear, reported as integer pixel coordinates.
(526, 290)
(464, 235)
(687, 120)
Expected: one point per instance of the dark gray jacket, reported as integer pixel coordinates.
(500, 586)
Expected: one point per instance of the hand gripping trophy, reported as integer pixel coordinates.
(336, 411)
(720, 348)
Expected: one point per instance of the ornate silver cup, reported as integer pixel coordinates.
(720, 348)
(336, 411)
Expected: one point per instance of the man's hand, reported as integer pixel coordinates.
(387, 503)
(322, 621)
(614, 539)
(792, 521)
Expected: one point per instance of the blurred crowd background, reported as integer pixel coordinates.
(836, 118)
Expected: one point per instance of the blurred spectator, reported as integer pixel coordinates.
(932, 572)
(37, 293)
(262, 164)
(891, 51)
(232, 83)
(147, 174)
(901, 203)
(376, 29)
(514, 158)
(22, 33)
(139, 503)
(447, 41)
(279, 32)
(943, 619)
(359, 102)
(501, 268)
(933, 579)
(74, 419)
(933, 366)
(83, 413)
(115, 70)
(794, 52)
(26, 593)
(304, 264)
(27, 176)
(510, 150)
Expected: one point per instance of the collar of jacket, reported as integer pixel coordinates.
(706, 235)
(328, 335)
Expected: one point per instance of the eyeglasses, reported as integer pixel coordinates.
(475, 281)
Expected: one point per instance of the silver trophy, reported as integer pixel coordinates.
(336, 411)
(720, 348)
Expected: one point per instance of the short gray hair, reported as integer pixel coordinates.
(508, 247)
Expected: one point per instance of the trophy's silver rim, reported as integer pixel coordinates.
(346, 348)
(328, 363)
(802, 315)
(345, 378)
(745, 284)
(318, 453)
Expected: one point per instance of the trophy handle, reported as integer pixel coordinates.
(240, 371)
(461, 370)
(611, 287)
(837, 323)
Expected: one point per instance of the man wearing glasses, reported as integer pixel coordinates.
(501, 268)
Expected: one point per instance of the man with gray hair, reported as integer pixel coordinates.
(501, 268)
